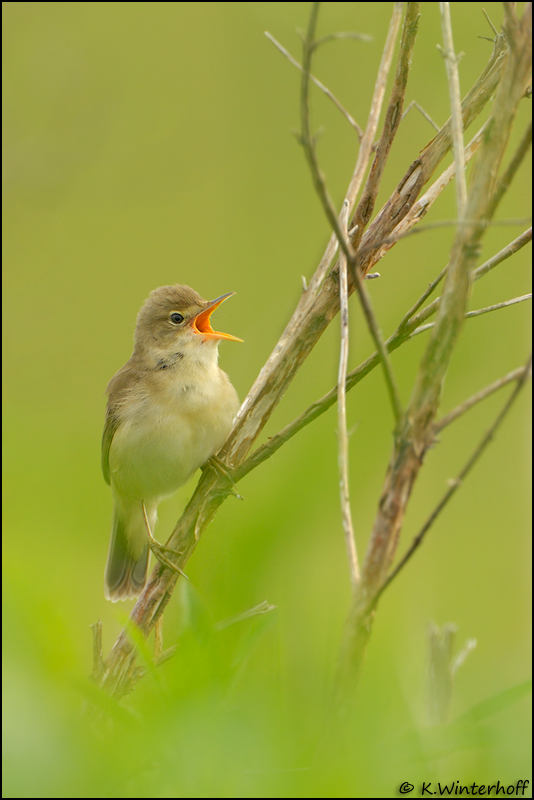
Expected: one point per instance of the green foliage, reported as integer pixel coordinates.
(147, 144)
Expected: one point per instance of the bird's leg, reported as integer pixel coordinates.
(223, 470)
(159, 550)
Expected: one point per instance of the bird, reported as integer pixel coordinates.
(170, 409)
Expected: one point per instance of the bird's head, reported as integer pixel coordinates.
(176, 320)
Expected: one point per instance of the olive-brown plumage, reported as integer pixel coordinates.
(170, 408)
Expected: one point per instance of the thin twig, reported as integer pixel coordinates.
(451, 62)
(506, 178)
(306, 307)
(482, 224)
(331, 37)
(484, 268)
(261, 608)
(457, 412)
(391, 124)
(490, 23)
(165, 655)
(306, 136)
(366, 149)
(343, 439)
(391, 384)
(314, 305)
(457, 482)
(308, 144)
(406, 329)
(488, 265)
(421, 170)
(477, 312)
(426, 294)
(366, 145)
(415, 104)
(420, 208)
(503, 254)
(417, 436)
(318, 83)
(377, 249)
(324, 265)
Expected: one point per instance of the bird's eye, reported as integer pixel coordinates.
(176, 318)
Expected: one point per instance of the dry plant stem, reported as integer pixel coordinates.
(521, 375)
(314, 312)
(417, 212)
(421, 207)
(453, 78)
(360, 632)
(317, 306)
(391, 124)
(418, 434)
(366, 144)
(426, 294)
(422, 169)
(506, 178)
(261, 608)
(318, 83)
(493, 262)
(490, 23)
(505, 304)
(332, 37)
(452, 223)
(417, 320)
(308, 144)
(391, 384)
(478, 312)
(425, 399)
(415, 104)
(165, 655)
(406, 330)
(503, 254)
(452, 416)
(343, 439)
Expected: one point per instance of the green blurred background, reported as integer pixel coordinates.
(150, 143)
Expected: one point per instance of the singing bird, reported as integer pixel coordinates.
(170, 409)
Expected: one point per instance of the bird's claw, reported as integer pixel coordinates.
(224, 471)
(160, 550)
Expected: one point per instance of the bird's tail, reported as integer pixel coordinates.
(127, 564)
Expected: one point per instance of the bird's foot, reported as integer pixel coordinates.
(224, 471)
(160, 551)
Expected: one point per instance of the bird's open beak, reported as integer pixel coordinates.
(201, 323)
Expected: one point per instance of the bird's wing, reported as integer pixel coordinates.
(118, 388)
(112, 423)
